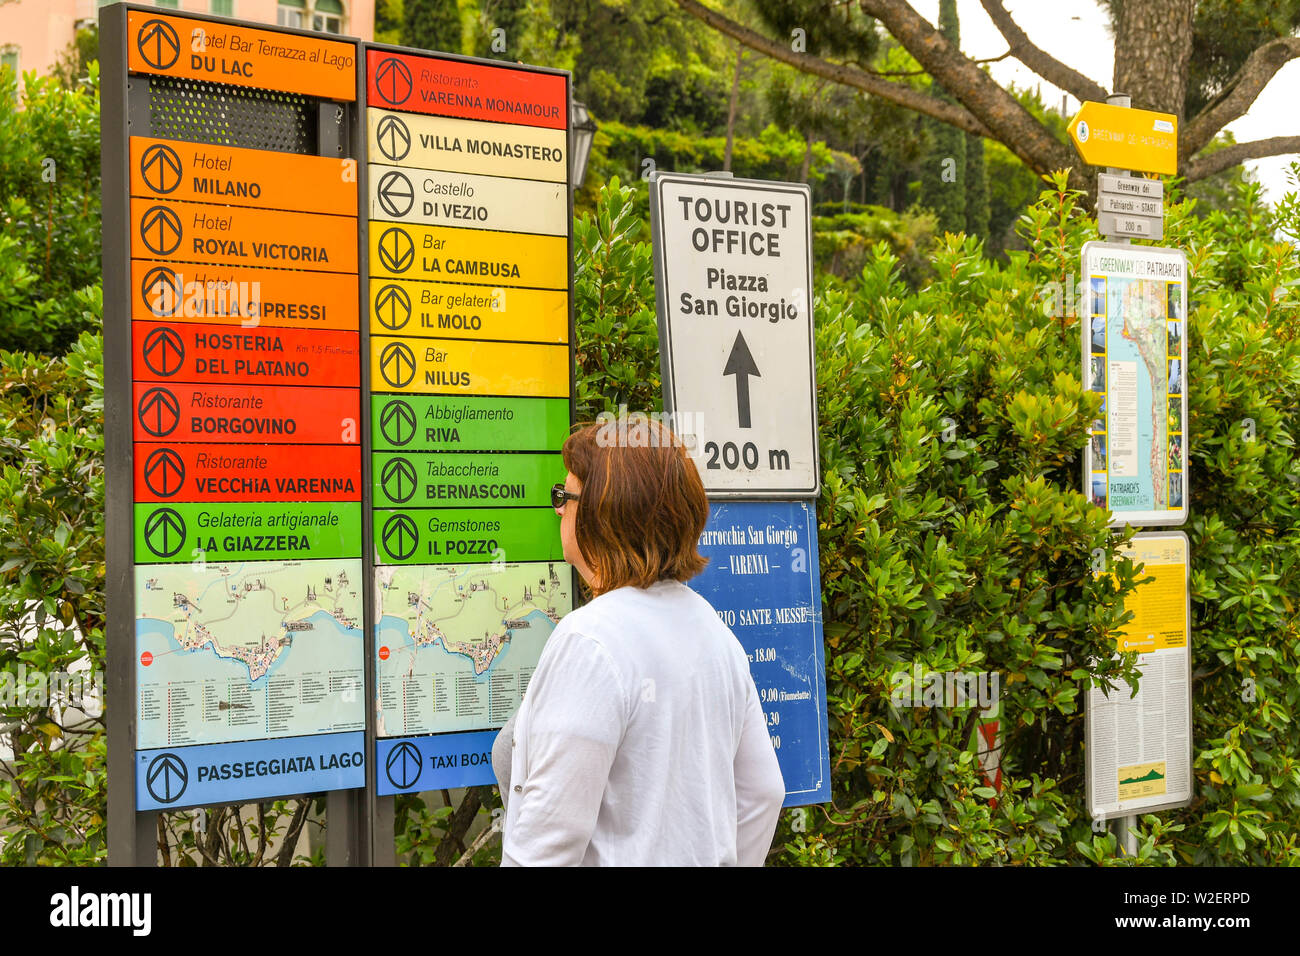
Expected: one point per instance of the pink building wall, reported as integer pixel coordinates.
(40, 30)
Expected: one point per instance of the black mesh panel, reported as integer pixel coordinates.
(197, 111)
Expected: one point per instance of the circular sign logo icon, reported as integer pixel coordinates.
(397, 422)
(399, 480)
(166, 778)
(396, 250)
(403, 765)
(160, 168)
(393, 80)
(400, 537)
(164, 472)
(393, 137)
(161, 291)
(146, 659)
(397, 365)
(164, 532)
(396, 194)
(163, 351)
(383, 653)
(1082, 131)
(158, 44)
(159, 412)
(160, 229)
(392, 307)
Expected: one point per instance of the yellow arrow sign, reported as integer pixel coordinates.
(1126, 138)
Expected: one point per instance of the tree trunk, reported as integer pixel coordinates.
(1153, 45)
(731, 106)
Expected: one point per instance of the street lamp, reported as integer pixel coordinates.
(582, 130)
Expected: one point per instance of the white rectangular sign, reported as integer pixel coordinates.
(1131, 205)
(467, 201)
(1126, 224)
(733, 281)
(1139, 748)
(1131, 186)
(1135, 356)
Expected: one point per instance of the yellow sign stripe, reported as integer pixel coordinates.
(450, 367)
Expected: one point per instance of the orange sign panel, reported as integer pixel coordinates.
(195, 232)
(241, 297)
(242, 177)
(246, 414)
(242, 56)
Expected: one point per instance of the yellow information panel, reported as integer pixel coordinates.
(448, 367)
(477, 256)
(1159, 607)
(443, 310)
(1139, 746)
(467, 146)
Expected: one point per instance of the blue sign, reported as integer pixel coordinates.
(763, 581)
(176, 777)
(437, 762)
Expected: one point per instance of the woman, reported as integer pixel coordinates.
(641, 740)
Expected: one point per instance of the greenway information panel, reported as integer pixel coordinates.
(1135, 355)
(231, 313)
(1139, 748)
(468, 295)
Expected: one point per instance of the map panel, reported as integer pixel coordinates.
(248, 650)
(1135, 356)
(457, 644)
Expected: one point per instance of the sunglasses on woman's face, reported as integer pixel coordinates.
(559, 496)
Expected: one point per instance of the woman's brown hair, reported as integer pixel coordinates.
(643, 506)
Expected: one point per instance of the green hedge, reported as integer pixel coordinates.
(963, 554)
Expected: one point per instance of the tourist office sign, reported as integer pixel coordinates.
(733, 285)
(338, 374)
(1134, 352)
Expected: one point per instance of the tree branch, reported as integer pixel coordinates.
(1239, 93)
(1229, 156)
(1038, 60)
(1011, 124)
(898, 93)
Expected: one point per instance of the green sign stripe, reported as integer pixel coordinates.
(416, 480)
(246, 531)
(454, 423)
(466, 535)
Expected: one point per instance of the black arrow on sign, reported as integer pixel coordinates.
(164, 532)
(393, 81)
(399, 479)
(397, 422)
(159, 412)
(395, 194)
(393, 137)
(392, 307)
(160, 168)
(160, 228)
(161, 290)
(396, 250)
(397, 365)
(164, 472)
(400, 537)
(741, 364)
(158, 44)
(163, 351)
